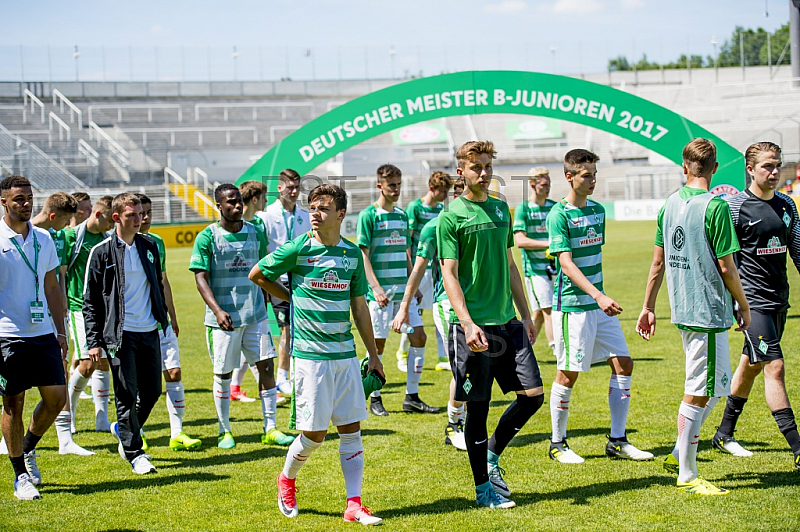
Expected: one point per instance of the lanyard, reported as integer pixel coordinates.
(289, 224)
(35, 268)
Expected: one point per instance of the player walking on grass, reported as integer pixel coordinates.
(54, 217)
(530, 235)
(695, 243)
(327, 282)
(284, 219)
(486, 342)
(767, 225)
(168, 340)
(420, 212)
(585, 326)
(383, 236)
(426, 255)
(123, 306)
(224, 253)
(31, 352)
(79, 241)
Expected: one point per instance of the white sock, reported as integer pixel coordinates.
(454, 415)
(283, 375)
(559, 411)
(404, 343)
(299, 451)
(415, 364)
(176, 404)
(690, 419)
(269, 399)
(441, 349)
(77, 383)
(377, 393)
(222, 400)
(238, 375)
(619, 401)
(351, 456)
(101, 388)
(66, 445)
(712, 402)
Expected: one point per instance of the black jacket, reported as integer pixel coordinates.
(104, 290)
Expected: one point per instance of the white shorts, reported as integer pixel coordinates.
(170, 355)
(267, 347)
(382, 317)
(77, 330)
(426, 287)
(586, 338)
(226, 347)
(708, 364)
(327, 391)
(540, 292)
(441, 318)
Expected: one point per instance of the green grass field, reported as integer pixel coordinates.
(412, 479)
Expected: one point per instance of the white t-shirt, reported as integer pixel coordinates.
(283, 226)
(18, 282)
(138, 309)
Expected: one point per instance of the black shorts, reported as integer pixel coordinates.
(30, 362)
(281, 309)
(762, 340)
(509, 360)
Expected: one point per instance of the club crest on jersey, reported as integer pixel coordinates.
(592, 237)
(395, 239)
(346, 263)
(330, 282)
(150, 256)
(498, 212)
(787, 219)
(238, 264)
(773, 247)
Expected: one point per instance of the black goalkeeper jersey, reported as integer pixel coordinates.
(766, 231)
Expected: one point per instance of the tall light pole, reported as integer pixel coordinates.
(714, 43)
(235, 56)
(392, 53)
(76, 54)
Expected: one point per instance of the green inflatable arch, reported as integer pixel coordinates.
(492, 92)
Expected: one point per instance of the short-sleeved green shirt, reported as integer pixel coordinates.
(385, 235)
(77, 274)
(419, 214)
(720, 232)
(259, 224)
(478, 235)
(427, 250)
(323, 279)
(580, 231)
(60, 244)
(719, 224)
(530, 218)
(162, 250)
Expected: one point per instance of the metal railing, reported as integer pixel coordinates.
(74, 111)
(254, 105)
(198, 130)
(148, 106)
(101, 137)
(274, 129)
(63, 127)
(28, 95)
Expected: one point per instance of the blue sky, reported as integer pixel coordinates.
(326, 38)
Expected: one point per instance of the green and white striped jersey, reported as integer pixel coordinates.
(420, 214)
(385, 235)
(530, 217)
(322, 279)
(580, 231)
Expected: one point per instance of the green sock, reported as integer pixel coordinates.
(492, 458)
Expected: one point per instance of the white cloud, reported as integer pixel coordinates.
(632, 4)
(577, 7)
(507, 6)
